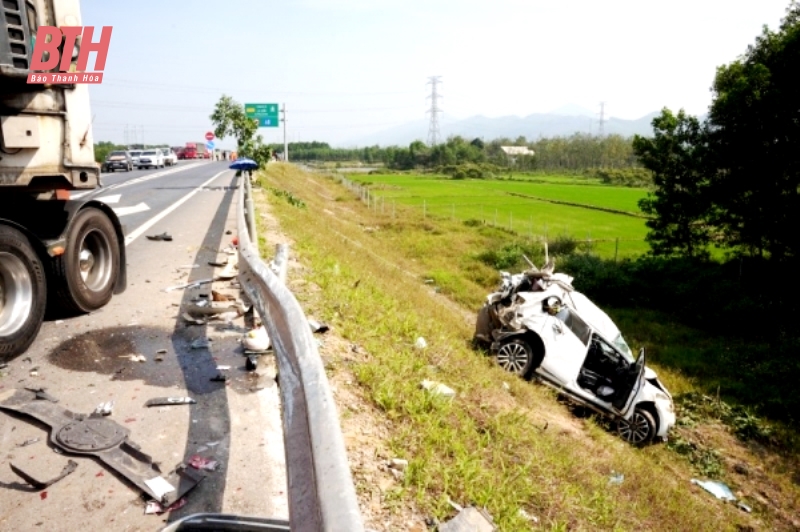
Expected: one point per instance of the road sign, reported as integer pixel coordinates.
(264, 114)
(210, 145)
(209, 136)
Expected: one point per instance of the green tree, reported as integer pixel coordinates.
(229, 120)
(677, 156)
(755, 133)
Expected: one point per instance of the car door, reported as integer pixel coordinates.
(566, 337)
(634, 381)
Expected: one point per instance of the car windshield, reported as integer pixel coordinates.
(148, 153)
(619, 343)
(136, 153)
(117, 153)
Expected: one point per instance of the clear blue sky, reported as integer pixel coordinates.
(346, 68)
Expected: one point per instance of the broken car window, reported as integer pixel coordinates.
(575, 324)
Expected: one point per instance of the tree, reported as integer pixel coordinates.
(229, 119)
(677, 155)
(755, 133)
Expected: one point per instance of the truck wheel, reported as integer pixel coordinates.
(23, 293)
(87, 272)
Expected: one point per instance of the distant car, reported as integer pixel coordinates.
(151, 158)
(538, 324)
(170, 158)
(118, 160)
(135, 154)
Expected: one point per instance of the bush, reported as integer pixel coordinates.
(626, 177)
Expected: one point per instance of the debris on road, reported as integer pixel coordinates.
(154, 507)
(256, 341)
(469, 519)
(163, 236)
(219, 296)
(135, 358)
(716, 488)
(104, 439)
(199, 462)
(420, 343)
(104, 409)
(201, 343)
(159, 358)
(40, 485)
(318, 327)
(208, 309)
(217, 264)
(191, 320)
(42, 394)
(223, 368)
(166, 401)
(219, 378)
(28, 442)
(438, 388)
(226, 317)
(252, 363)
(193, 284)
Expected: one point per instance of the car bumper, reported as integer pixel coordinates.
(117, 164)
(666, 417)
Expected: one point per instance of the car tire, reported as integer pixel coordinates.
(23, 293)
(640, 430)
(516, 356)
(87, 272)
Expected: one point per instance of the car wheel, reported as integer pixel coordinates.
(516, 356)
(640, 430)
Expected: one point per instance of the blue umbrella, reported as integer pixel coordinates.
(243, 164)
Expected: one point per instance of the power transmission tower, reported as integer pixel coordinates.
(433, 128)
(602, 119)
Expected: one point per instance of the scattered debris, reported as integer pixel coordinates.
(201, 343)
(104, 409)
(161, 352)
(28, 442)
(717, 489)
(135, 358)
(219, 378)
(191, 320)
(318, 327)
(398, 464)
(159, 486)
(506, 386)
(189, 267)
(223, 368)
(40, 485)
(218, 264)
(420, 343)
(42, 394)
(529, 517)
(199, 462)
(43, 495)
(229, 251)
(219, 296)
(163, 236)
(256, 340)
(228, 232)
(159, 358)
(615, 479)
(252, 363)
(154, 507)
(227, 317)
(438, 388)
(193, 284)
(166, 401)
(34, 372)
(469, 519)
(742, 506)
(205, 308)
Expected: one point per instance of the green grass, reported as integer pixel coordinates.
(499, 203)
(489, 445)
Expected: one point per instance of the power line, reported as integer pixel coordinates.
(433, 127)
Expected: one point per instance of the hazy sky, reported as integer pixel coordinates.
(346, 68)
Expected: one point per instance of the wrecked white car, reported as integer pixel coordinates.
(536, 324)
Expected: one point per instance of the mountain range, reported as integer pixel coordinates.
(563, 121)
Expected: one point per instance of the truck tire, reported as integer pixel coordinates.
(85, 275)
(23, 293)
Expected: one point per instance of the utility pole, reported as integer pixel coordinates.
(285, 140)
(433, 128)
(602, 119)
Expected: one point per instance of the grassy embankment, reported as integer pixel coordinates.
(504, 449)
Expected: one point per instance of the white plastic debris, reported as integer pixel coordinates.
(527, 516)
(256, 340)
(159, 486)
(398, 463)
(438, 388)
(717, 489)
(104, 409)
(420, 343)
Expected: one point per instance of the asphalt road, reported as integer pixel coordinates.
(86, 360)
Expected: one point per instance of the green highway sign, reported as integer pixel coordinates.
(265, 114)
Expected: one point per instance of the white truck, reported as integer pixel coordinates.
(53, 249)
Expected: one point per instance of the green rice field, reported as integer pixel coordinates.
(533, 208)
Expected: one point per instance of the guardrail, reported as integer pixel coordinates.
(320, 488)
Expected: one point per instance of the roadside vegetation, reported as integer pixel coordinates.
(504, 443)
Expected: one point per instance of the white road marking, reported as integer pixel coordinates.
(124, 211)
(149, 177)
(139, 231)
(109, 200)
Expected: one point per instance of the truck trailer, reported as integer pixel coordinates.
(53, 250)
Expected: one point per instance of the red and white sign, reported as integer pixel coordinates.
(209, 136)
(48, 40)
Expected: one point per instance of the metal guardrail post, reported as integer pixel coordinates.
(321, 493)
(281, 262)
(251, 211)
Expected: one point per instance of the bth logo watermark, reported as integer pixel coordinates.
(68, 48)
